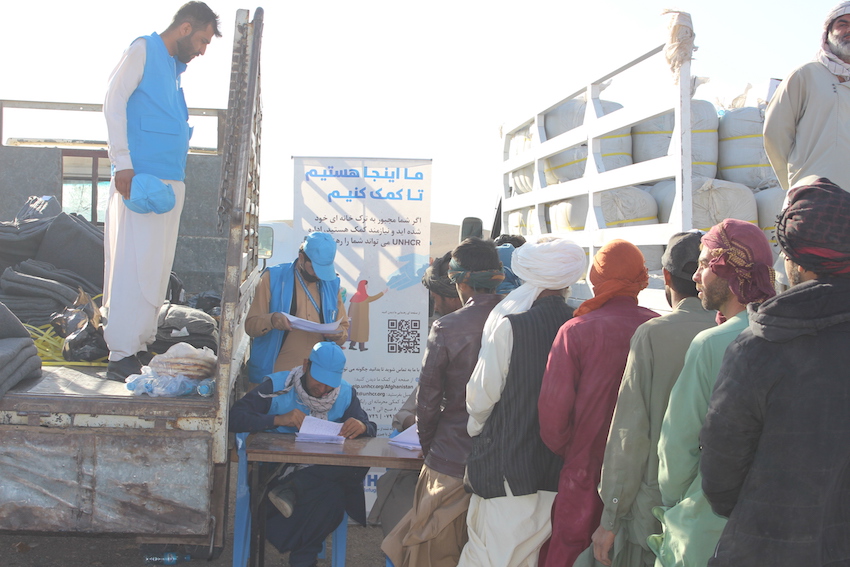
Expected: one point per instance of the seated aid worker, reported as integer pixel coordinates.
(310, 502)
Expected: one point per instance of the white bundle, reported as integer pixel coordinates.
(629, 206)
(716, 200)
(568, 215)
(522, 180)
(713, 201)
(651, 138)
(742, 157)
(616, 147)
(769, 204)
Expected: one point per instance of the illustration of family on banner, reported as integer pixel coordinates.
(378, 211)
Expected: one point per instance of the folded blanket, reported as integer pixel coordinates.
(16, 283)
(10, 326)
(49, 271)
(26, 364)
(74, 244)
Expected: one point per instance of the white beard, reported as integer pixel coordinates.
(839, 48)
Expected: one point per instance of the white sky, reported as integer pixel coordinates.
(382, 78)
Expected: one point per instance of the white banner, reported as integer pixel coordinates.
(379, 212)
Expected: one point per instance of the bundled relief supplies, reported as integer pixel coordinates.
(651, 138)
(742, 158)
(616, 146)
(569, 214)
(186, 360)
(630, 206)
(522, 180)
(713, 201)
(523, 221)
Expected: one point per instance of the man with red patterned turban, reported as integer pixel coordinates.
(776, 440)
(579, 392)
(734, 271)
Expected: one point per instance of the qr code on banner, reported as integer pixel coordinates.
(403, 336)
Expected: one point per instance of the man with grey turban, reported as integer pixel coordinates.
(804, 129)
(513, 475)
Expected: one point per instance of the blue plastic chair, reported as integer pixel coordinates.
(339, 540)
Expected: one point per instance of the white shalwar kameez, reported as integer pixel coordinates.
(139, 248)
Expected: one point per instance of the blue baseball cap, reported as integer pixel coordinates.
(328, 362)
(320, 248)
(148, 194)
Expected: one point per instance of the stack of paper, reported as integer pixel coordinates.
(319, 431)
(407, 439)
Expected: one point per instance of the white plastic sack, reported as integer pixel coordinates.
(523, 221)
(522, 180)
(742, 157)
(651, 138)
(629, 206)
(769, 204)
(570, 164)
(568, 215)
(716, 200)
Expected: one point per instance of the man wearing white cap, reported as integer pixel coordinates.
(311, 500)
(307, 288)
(146, 119)
(805, 130)
(511, 472)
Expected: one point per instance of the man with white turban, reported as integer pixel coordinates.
(805, 129)
(513, 475)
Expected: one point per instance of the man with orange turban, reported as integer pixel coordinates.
(579, 392)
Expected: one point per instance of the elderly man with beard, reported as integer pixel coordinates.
(311, 501)
(734, 271)
(579, 392)
(805, 129)
(511, 472)
(776, 440)
(307, 288)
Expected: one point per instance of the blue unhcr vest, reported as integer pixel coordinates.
(287, 402)
(158, 130)
(264, 350)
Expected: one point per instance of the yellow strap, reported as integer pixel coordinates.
(615, 136)
(630, 220)
(742, 137)
(744, 166)
(565, 164)
(703, 131)
(653, 132)
(703, 163)
(617, 154)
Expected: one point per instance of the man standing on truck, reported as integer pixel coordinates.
(776, 440)
(804, 129)
(311, 500)
(579, 391)
(512, 474)
(629, 485)
(307, 288)
(734, 271)
(147, 124)
(433, 533)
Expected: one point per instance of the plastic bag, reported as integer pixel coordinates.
(155, 385)
(183, 358)
(80, 326)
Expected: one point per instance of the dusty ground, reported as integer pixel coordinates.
(17, 550)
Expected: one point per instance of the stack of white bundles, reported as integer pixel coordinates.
(532, 226)
(651, 138)
(523, 221)
(629, 206)
(769, 204)
(616, 146)
(742, 158)
(568, 215)
(522, 180)
(516, 223)
(715, 200)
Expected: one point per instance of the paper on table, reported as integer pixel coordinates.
(319, 431)
(312, 326)
(408, 439)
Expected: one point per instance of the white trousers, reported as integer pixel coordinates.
(507, 531)
(138, 257)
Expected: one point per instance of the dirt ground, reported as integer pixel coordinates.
(18, 550)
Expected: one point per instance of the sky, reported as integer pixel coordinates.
(389, 79)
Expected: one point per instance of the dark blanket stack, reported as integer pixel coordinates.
(184, 324)
(35, 290)
(18, 356)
